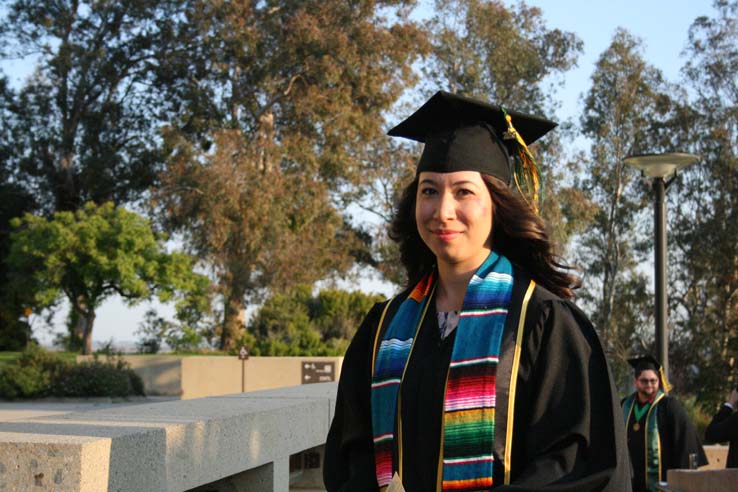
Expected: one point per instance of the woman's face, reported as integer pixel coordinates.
(453, 212)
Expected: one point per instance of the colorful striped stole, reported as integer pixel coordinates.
(466, 459)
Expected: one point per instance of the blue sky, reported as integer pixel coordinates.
(662, 26)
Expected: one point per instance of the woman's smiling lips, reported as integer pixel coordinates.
(446, 234)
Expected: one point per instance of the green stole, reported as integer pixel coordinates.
(651, 433)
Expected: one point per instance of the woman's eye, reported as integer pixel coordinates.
(464, 192)
(427, 191)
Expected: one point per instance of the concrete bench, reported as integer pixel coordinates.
(169, 446)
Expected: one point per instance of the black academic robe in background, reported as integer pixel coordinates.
(677, 436)
(567, 430)
(724, 428)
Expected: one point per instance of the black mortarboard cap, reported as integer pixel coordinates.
(648, 363)
(464, 134)
(644, 363)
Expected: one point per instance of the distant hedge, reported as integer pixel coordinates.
(39, 373)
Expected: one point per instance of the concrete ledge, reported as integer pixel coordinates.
(201, 376)
(703, 481)
(168, 446)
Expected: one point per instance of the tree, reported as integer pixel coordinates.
(92, 254)
(704, 276)
(388, 170)
(83, 128)
(279, 106)
(298, 323)
(625, 110)
(256, 229)
(155, 330)
(15, 331)
(485, 49)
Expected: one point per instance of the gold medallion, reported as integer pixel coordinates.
(636, 427)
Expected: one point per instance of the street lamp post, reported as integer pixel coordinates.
(661, 169)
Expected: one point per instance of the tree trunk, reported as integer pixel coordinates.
(66, 192)
(233, 321)
(88, 320)
(83, 324)
(78, 331)
(265, 141)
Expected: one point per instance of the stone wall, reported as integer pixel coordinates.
(202, 376)
(172, 446)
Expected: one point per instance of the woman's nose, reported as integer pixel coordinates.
(446, 207)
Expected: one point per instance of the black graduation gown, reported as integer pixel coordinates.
(677, 436)
(567, 432)
(724, 428)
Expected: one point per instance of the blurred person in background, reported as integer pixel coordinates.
(724, 428)
(661, 436)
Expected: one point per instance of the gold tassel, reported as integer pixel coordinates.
(527, 178)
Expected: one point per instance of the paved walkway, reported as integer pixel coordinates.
(28, 409)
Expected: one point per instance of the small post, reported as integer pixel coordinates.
(243, 354)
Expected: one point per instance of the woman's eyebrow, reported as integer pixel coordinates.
(464, 182)
(455, 183)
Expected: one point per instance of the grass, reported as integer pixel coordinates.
(9, 357)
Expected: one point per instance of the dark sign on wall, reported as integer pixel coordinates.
(318, 372)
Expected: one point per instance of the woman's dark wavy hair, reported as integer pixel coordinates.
(517, 233)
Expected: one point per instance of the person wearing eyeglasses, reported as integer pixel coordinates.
(661, 436)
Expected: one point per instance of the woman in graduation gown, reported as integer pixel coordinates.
(481, 375)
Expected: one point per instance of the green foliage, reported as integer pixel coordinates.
(83, 127)
(155, 331)
(39, 373)
(298, 323)
(6, 357)
(111, 378)
(96, 252)
(32, 374)
(624, 111)
(486, 49)
(273, 134)
(703, 276)
(23, 382)
(14, 333)
(698, 412)
(15, 330)
(150, 333)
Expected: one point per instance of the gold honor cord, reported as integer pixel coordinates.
(399, 390)
(514, 380)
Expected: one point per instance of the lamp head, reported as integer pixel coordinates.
(661, 165)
